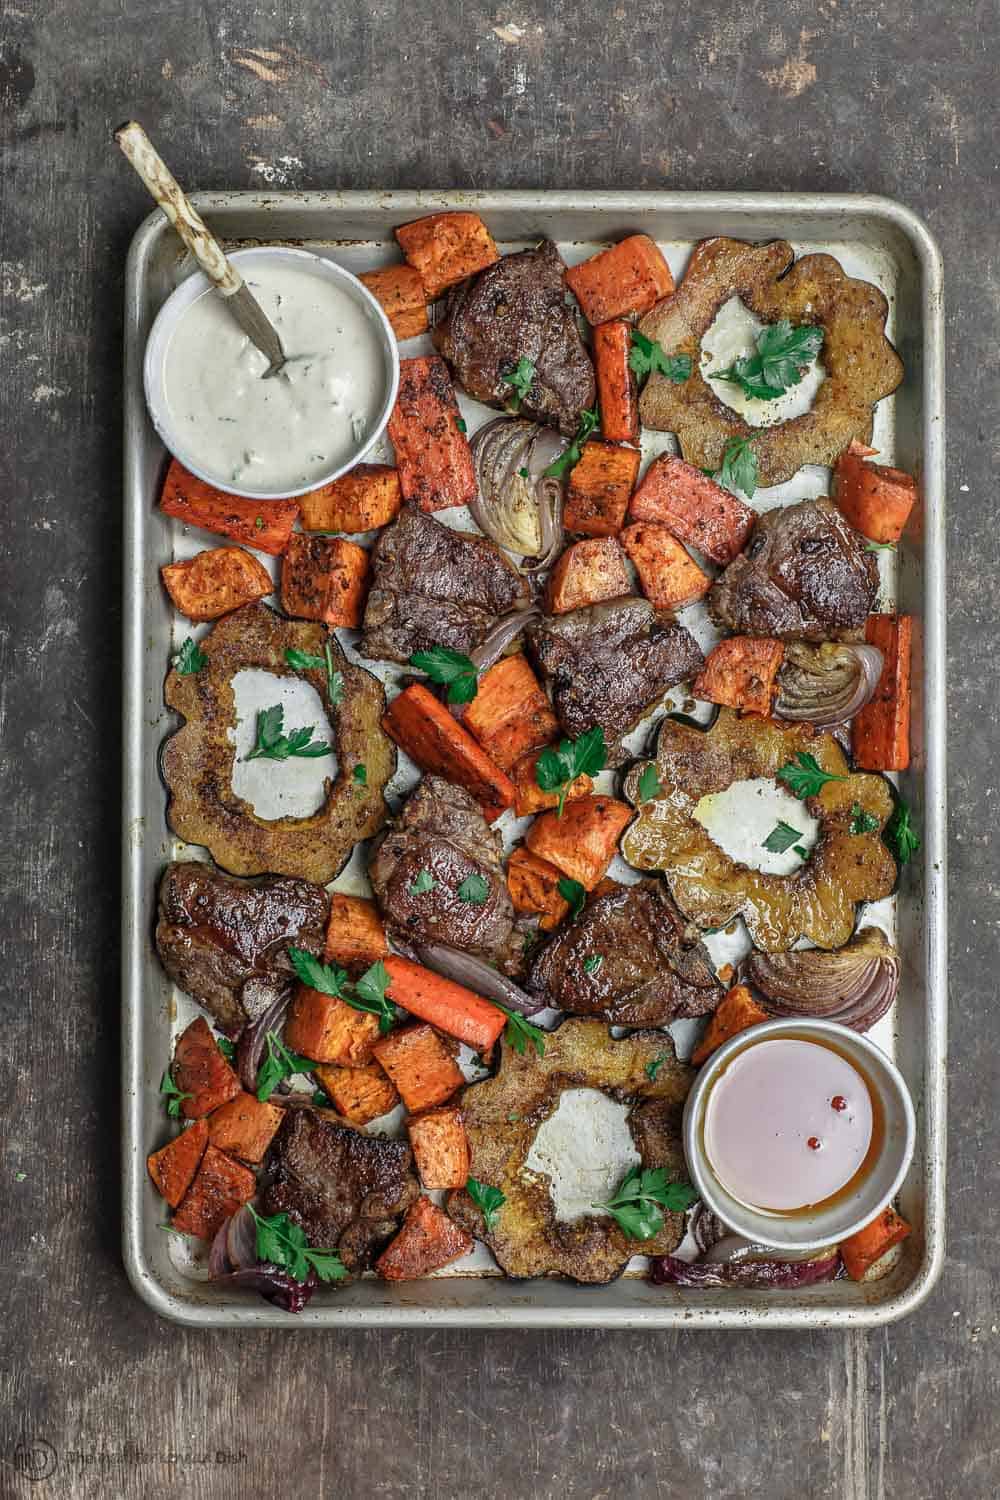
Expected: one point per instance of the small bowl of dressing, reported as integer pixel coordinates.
(798, 1132)
(274, 438)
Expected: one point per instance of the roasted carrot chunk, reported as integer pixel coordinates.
(669, 575)
(216, 582)
(880, 732)
(444, 1004)
(244, 1127)
(420, 1065)
(693, 507)
(355, 937)
(360, 1095)
(587, 573)
(583, 841)
(172, 1168)
(200, 1071)
(220, 1187)
(427, 1241)
(432, 453)
(510, 713)
(445, 248)
(619, 282)
(366, 498)
(264, 524)
(324, 578)
(741, 672)
(736, 1012)
(860, 1252)
(425, 729)
(329, 1030)
(529, 797)
(599, 489)
(440, 1147)
(399, 290)
(875, 499)
(534, 888)
(617, 387)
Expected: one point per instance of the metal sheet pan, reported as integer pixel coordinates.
(875, 238)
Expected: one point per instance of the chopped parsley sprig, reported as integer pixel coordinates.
(805, 777)
(367, 993)
(573, 452)
(489, 1201)
(449, 668)
(641, 1197)
(272, 743)
(520, 380)
(557, 768)
(646, 357)
(779, 361)
(282, 1243)
(304, 661)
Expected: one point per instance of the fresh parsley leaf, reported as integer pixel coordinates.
(649, 784)
(273, 744)
(781, 837)
(282, 1243)
(227, 1048)
(446, 666)
(189, 659)
(573, 452)
(326, 978)
(592, 964)
(653, 1067)
(642, 1194)
(460, 424)
(880, 546)
(360, 775)
(901, 835)
(557, 769)
(321, 1099)
(424, 882)
(367, 994)
(778, 363)
(524, 473)
(738, 474)
(805, 777)
(278, 1065)
(861, 821)
(573, 892)
(647, 356)
(474, 889)
(370, 995)
(519, 1031)
(802, 852)
(520, 380)
(304, 661)
(173, 1094)
(489, 1201)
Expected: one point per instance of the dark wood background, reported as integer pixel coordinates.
(891, 96)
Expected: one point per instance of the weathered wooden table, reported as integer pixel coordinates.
(98, 1397)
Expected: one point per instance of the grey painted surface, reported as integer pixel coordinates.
(887, 97)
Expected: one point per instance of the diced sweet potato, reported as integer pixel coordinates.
(444, 1003)
(264, 524)
(420, 1065)
(875, 499)
(617, 387)
(366, 498)
(622, 281)
(599, 489)
(534, 888)
(669, 575)
(427, 1241)
(588, 573)
(200, 1071)
(860, 1251)
(329, 1030)
(423, 727)
(880, 732)
(216, 582)
(741, 672)
(737, 1011)
(220, 1187)
(324, 578)
(693, 507)
(172, 1168)
(510, 713)
(440, 1147)
(446, 248)
(399, 291)
(583, 841)
(529, 797)
(360, 1095)
(432, 453)
(244, 1127)
(355, 937)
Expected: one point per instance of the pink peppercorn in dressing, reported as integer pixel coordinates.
(789, 1125)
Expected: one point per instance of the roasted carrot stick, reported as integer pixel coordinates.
(432, 454)
(617, 387)
(445, 248)
(880, 732)
(425, 729)
(264, 524)
(693, 507)
(444, 1004)
(860, 1252)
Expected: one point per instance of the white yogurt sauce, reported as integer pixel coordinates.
(741, 818)
(585, 1148)
(294, 428)
(734, 332)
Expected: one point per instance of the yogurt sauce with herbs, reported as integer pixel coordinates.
(290, 430)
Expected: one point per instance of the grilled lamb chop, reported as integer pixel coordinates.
(805, 576)
(652, 969)
(225, 941)
(516, 309)
(433, 586)
(608, 663)
(345, 1189)
(442, 831)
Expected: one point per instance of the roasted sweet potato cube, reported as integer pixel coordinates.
(426, 429)
(244, 1127)
(693, 507)
(875, 499)
(324, 578)
(621, 281)
(172, 1168)
(399, 290)
(533, 884)
(329, 1030)
(216, 582)
(588, 573)
(200, 1071)
(363, 500)
(510, 713)
(864, 1249)
(360, 1095)
(582, 842)
(420, 1065)
(220, 1187)
(355, 937)
(440, 1147)
(741, 672)
(530, 798)
(427, 1241)
(263, 524)
(599, 489)
(737, 1011)
(446, 248)
(669, 575)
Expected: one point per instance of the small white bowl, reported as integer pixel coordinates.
(192, 288)
(825, 1226)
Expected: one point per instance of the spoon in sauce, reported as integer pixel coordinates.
(199, 239)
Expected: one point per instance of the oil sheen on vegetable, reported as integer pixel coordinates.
(294, 428)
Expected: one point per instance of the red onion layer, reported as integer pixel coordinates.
(765, 1275)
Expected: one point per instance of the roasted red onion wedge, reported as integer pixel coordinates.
(250, 1049)
(476, 975)
(518, 506)
(855, 985)
(826, 685)
(667, 1270)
